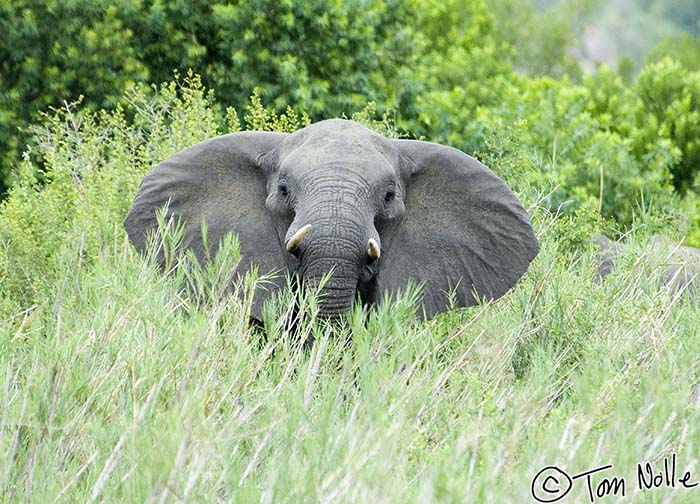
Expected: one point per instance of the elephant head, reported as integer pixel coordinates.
(336, 197)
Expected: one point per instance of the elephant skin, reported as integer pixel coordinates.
(336, 197)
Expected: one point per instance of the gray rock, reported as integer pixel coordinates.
(678, 266)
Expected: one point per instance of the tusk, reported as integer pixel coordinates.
(295, 240)
(373, 249)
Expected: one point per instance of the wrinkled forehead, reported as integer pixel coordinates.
(337, 144)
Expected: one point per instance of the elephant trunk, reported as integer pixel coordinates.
(337, 247)
(338, 292)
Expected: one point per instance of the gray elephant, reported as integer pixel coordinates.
(677, 266)
(336, 196)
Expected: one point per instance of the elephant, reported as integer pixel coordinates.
(336, 197)
(677, 266)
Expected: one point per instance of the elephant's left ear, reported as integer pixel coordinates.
(464, 236)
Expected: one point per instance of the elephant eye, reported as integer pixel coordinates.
(282, 189)
(389, 196)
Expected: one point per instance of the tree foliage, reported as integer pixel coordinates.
(322, 56)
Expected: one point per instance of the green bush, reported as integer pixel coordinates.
(56, 51)
(599, 144)
(90, 165)
(463, 64)
(670, 109)
(324, 57)
(320, 56)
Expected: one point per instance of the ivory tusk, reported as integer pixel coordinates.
(373, 249)
(295, 240)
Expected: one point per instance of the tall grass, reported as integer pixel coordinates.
(116, 384)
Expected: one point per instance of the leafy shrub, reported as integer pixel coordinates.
(462, 64)
(324, 57)
(54, 51)
(90, 165)
(571, 150)
(320, 56)
(670, 109)
(599, 144)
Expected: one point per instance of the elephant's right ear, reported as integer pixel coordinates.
(223, 182)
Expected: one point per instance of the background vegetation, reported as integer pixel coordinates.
(633, 28)
(117, 385)
(466, 72)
